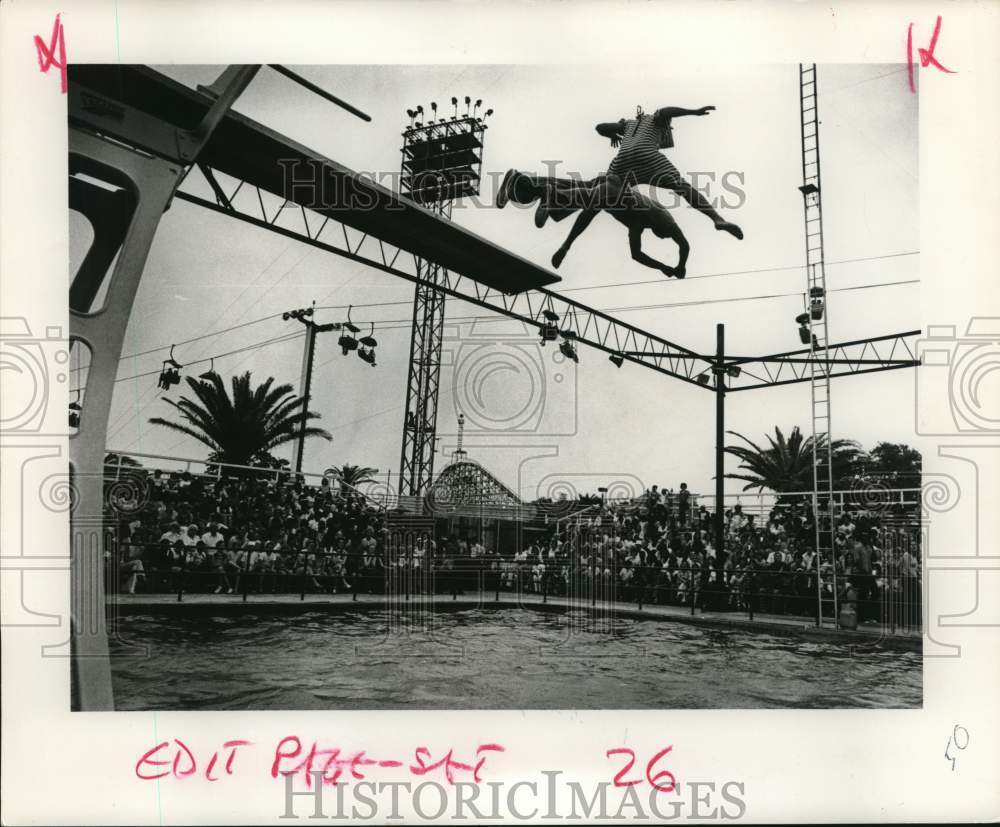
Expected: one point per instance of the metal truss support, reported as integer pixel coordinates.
(592, 327)
(597, 329)
(880, 353)
(416, 463)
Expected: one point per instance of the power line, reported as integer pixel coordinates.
(744, 272)
(203, 336)
(137, 411)
(405, 324)
(211, 334)
(260, 296)
(663, 280)
(400, 324)
(129, 414)
(267, 342)
(397, 324)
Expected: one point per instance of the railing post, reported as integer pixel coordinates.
(246, 573)
(408, 570)
(302, 595)
(181, 577)
(692, 589)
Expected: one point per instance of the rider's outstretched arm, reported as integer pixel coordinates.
(668, 112)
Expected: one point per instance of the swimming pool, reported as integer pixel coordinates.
(501, 658)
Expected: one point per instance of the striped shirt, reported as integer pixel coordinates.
(639, 160)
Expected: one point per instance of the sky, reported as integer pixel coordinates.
(594, 425)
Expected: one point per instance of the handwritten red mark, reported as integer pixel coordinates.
(332, 764)
(184, 763)
(47, 53)
(652, 777)
(926, 55)
(619, 780)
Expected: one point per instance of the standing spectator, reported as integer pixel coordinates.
(864, 580)
(683, 504)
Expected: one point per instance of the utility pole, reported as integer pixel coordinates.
(304, 315)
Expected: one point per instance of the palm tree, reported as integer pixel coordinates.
(787, 465)
(242, 429)
(354, 475)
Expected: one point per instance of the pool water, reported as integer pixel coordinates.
(489, 659)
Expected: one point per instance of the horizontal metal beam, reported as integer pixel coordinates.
(833, 375)
(589, 326)
(891, 352)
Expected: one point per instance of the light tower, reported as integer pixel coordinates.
(442, 161)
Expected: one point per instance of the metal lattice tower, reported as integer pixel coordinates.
(816, 316)
(416, 464)
(441, 162)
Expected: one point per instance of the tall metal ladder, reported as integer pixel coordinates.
(822, 499)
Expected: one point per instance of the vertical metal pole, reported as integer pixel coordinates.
(182, 576)
(819, 553)
(720, 453)
(302, 584)
(305, 386)
(246, 571)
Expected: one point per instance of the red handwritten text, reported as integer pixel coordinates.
(926, 55)
(184, 763)
(652, 776)
(47, 52)
(332, 762)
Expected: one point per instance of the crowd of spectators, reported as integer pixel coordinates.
(235, 534)
(257, 535)
(660, 549)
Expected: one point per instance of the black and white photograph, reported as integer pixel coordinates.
(516, 411)
(512, 396)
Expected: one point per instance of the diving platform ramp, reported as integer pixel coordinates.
(134, 104)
